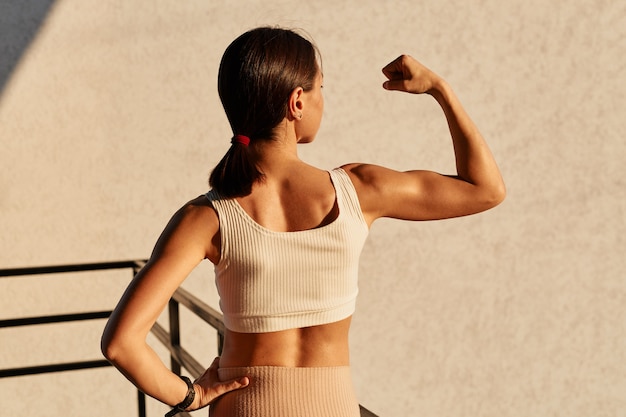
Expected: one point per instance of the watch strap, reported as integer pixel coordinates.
(191, 395)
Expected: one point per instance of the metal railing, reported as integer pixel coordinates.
(179, 356)
(135, 266)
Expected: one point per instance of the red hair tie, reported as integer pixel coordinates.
(244, 140)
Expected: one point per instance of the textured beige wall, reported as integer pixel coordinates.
(109, 120)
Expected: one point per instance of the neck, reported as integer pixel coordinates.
(282, 147)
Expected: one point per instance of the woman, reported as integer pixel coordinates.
(285, 238)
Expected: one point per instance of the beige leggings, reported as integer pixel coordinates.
(288, 392)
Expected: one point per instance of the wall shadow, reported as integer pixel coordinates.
(20, 20)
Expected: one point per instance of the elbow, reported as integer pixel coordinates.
(499, 193)
(502, 191)
(109, 348)
(112, 346)
(120, 347)
(488, 196)
(496, 194)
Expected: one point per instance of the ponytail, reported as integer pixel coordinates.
(234, 175)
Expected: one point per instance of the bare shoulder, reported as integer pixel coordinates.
(365, 175)
(369, 183)
(200, 205)
(195, 226)
(372, 179)
(198, 213)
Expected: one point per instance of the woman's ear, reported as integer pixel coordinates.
(296, 104)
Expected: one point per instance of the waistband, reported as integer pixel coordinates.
(269, 370)
(276, 391)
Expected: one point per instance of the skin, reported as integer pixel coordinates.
(295, 196)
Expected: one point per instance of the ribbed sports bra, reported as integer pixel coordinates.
(270, 281)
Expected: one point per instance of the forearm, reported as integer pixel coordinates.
(474, 161)
(141, 365)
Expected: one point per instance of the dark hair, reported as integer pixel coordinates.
(258, 72)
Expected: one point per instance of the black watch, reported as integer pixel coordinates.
(182, 406)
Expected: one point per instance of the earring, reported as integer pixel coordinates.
(300, 116)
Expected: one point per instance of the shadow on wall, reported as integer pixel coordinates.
(20, 21)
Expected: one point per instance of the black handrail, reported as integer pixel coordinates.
(134, 265)
(61, 318)
(56, 269)
(179, 357)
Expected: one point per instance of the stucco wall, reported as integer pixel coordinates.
(110, 120)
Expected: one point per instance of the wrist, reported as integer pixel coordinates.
(187, 401)
(197, 401)
(440, 90)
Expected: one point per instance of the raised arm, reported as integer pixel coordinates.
(427, 195)
(188, 239)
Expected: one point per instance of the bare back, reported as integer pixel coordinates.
(300, 199)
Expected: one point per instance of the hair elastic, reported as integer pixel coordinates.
(244, 140)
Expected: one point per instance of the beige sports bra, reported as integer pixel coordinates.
(270, 281)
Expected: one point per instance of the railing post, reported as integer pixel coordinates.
(137, 266)
(141, 402)
(174, 333)
(220, 342)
